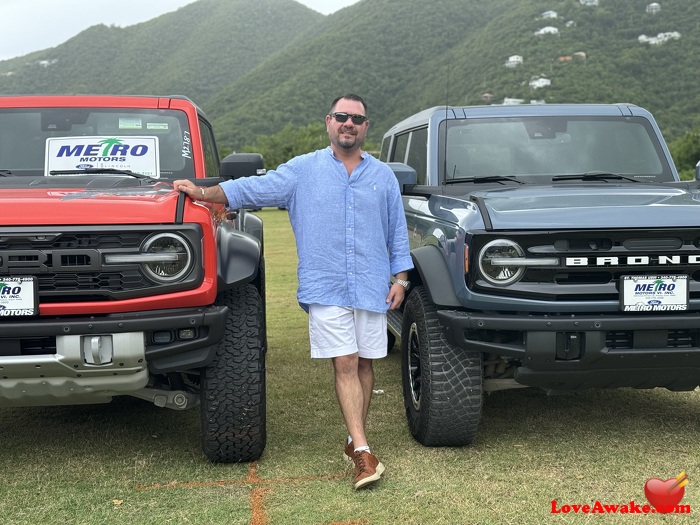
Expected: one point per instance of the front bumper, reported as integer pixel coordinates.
(91, 359)
(587, 351)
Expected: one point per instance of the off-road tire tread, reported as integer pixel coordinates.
(451, 391)
(233, 395)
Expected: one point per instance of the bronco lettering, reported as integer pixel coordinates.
(637, 260)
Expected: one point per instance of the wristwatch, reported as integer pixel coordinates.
(406, 284)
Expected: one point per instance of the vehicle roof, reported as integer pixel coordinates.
(77, 100)
(439, 113)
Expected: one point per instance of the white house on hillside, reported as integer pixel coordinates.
(653, 8)
(540, 82)
(548, 30)
(589, 2)
(514, 61)
(549, 14)
(659, 39)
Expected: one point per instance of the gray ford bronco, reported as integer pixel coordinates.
(554, 247)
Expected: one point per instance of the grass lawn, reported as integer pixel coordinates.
(129, 462)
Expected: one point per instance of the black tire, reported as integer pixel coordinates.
(233, 397)
(441, 382)
(390, 341)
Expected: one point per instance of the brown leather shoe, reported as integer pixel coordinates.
(368, 469)
(349, 451)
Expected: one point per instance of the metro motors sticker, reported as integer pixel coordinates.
(137, 154)
(17, 296)
(659, 293)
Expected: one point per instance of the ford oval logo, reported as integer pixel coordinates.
(84, 166)
(654, 302)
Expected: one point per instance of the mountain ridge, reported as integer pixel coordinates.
(258, 65)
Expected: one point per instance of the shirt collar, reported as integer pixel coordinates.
(363, 155)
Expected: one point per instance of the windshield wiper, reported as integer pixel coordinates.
(6, 173)
(108, 171)
(594, 175)
(490, 178)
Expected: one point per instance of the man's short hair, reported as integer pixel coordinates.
(349, 96)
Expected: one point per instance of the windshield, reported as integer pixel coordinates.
(544, 147)
(49, 141)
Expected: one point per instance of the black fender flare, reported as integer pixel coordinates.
(253, 225)
(239, 257)
(434, 274)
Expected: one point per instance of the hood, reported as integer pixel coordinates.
(59, 206)
(591, 206)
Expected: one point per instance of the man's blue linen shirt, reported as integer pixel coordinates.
(350, 232)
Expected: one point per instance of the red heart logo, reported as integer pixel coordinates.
(663, 495)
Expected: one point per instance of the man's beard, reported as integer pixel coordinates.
(353, 143)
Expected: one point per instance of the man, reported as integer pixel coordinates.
(346, 212)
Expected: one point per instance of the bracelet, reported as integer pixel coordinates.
(202, 192)
(405, 284)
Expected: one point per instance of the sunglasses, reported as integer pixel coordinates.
(343, 117)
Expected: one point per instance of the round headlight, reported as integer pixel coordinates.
(494, 262)
(172, 257)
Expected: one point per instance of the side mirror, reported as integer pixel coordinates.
(239, 165)
(405, 174)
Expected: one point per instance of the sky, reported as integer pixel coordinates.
(32, 25)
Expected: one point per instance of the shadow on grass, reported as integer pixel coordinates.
(530, 416)
(587, 414)
(124, 424)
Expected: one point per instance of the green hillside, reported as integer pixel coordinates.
(257, 66)
(197, 51)
(423, 54)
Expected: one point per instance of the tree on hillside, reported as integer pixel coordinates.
(686, 153)
(287, 143)
(292, 141)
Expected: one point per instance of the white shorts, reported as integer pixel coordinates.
(340, 330)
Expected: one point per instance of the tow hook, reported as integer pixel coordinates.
(173, 399)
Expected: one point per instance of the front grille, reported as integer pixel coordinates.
(69, 263)
(81, 282)
(27, 346)
(624, 340)
(619, 340)
(597, 262)
(40, 240)
(683, 338)
(38, 346)
(75, 260)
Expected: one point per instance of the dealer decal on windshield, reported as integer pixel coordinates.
(137, 154)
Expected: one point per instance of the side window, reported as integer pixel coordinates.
(384, 153)
(211, 155)
(401, 144)
(418, 154)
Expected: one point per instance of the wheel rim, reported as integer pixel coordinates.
(414, 370)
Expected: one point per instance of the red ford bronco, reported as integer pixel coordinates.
(112, 283)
